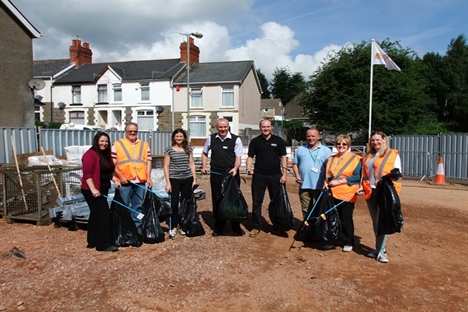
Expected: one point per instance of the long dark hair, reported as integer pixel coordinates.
(104, 155)
(185, 145)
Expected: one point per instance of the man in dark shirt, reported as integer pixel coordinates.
(270, 169)
(226, 153)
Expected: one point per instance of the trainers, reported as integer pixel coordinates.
(181, 232)
(347, 248)
(172, 233)
(329, 247)
(374, 254)
(382, 258)
(254, 233)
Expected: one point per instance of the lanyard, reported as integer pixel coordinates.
(314, 157)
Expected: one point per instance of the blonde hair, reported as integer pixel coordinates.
(371, 150)
(345, 138)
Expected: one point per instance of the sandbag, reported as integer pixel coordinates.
(124, 231)
(152, 232)
(279, 210)
(390, 216)
(232, 206)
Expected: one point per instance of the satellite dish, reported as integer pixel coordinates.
(36, 84)
(61, 105)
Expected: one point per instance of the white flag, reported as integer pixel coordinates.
(379, 57)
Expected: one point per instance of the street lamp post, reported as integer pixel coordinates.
(199, 36)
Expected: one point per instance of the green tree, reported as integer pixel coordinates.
(264, 84)
(286, 85)
(337, 95)
(456, 79)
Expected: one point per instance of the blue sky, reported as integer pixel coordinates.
(296, 34)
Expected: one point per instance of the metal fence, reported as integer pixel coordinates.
(28, 140)
(420, 154)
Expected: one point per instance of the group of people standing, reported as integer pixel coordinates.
(128, 164)
(347, 175)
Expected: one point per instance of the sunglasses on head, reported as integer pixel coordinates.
(341, 144)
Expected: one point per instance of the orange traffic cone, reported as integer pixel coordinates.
(440, 176)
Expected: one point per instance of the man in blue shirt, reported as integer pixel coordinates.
(309, 167)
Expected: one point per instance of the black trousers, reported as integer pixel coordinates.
(259, 184)
(345, 211)
(100, 221)
(215, 181)
(184, 188)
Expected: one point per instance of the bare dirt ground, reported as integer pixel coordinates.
(428, 268)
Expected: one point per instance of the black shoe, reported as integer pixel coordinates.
(239, 232)
(216, 234)
(112, 248)
(280, 233)
(90, 246)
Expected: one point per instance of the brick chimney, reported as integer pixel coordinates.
(194, 52)
(80, 54)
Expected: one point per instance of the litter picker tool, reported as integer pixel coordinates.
(323, 216)
(291, 172)
(139, 216)
(308, 216)
(245, 176)
(19, 173)
(51, 173)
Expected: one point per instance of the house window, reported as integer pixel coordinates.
(77, 117)
(196, 96)
(102, 93)
(117, 87)
(145, 120)
(145, 91)
(37, 113)
(76, 94)
(197, 126)
(228, 97)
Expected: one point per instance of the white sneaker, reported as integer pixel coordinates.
(382, 258)
(347, 248)
(374, 254)
(181, 232)
(172, 233)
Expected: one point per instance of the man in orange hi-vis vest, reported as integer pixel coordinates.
(132, 158)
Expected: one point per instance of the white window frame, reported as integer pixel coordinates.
(102, 93)
(144, 91)
(200, 130)
(117, 89)
(196, 98)
(76, 94)
(145, 113)
(227, 96)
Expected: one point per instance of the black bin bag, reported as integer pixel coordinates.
(124, 230)
(323, 223)
(232, 205)
(390, 216)
(188, 217)
(151, 228)
(279, 210)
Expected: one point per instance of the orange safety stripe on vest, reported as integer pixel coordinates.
(382, 166)
(343, 170)
(132, 159)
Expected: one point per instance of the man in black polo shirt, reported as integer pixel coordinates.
(226, 156)
(270, 169)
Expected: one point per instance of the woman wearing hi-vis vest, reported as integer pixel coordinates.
(343, 174)
(378, 161)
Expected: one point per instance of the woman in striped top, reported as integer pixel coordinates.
(179, 172)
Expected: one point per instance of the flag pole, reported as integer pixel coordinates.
(370, 87)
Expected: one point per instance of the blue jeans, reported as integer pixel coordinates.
(133, 196)
(374, 213)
